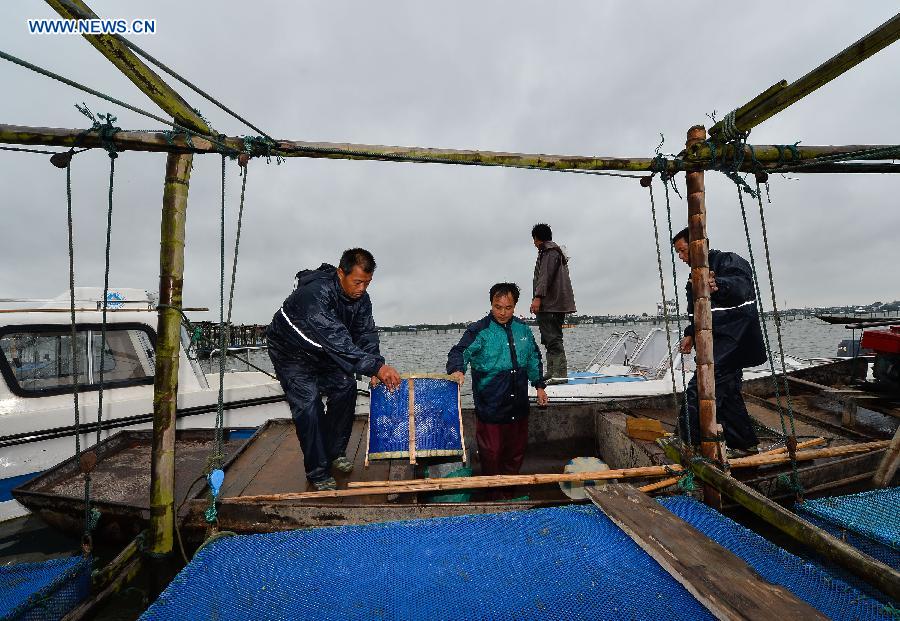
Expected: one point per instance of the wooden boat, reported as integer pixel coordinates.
(824, 402)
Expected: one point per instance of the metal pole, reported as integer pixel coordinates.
(165, 387)
(703, 337)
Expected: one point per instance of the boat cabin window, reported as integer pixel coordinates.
(37, 360)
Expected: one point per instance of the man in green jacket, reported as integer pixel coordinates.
(503, 356)
(552, 299)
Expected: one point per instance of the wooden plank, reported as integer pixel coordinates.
(284, 470)
(247, 466)
(876, 573)
(718, 579)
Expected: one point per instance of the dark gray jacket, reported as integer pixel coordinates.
(551, 280)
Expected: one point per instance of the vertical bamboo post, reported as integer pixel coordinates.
(165, 386)
(412, 419)
(703, 337)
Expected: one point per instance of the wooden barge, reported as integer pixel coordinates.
(829, 402)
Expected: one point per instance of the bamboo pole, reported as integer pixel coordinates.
(160, 142)
(456, 483)
(165, 385)
(777, 98)
(134, 68)
(874, 572)
(703, 335)
(762, 459)
(653, 487)
(886, 470)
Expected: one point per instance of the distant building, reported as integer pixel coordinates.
(669, 307)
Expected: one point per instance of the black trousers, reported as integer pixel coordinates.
(323, 433)
(731, 411)
(550, 327)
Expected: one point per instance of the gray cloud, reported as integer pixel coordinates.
(575, 78)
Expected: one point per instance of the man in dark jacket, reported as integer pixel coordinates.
(737, 344)
(552, 299)
(321, 337)
(503, 356)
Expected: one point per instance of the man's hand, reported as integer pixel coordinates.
(535, 306)
(374, 382)
(686, 345)
(389, 376)
(458, 376)
(541, 397)
(713, 287)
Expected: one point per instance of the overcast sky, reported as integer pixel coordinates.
(575, 78)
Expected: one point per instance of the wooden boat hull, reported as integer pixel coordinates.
(270, 462)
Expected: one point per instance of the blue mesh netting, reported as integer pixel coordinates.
(437, 419)
(561, 563)
(43, 591)
(869, 521)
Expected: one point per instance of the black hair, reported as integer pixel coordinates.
(505, 288)
(541, 232)
(357, 256)
(682, 234)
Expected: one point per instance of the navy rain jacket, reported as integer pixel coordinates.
(737, 336)
(319, 321)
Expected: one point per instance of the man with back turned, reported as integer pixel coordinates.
(552, 299)
(319, 340)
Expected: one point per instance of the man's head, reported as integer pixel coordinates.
(355, 271)
(541, 233)
(504, 296)
(681, 243)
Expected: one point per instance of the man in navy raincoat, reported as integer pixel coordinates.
(319, 340)
(737, 344)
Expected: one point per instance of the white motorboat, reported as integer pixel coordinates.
(36, 403)
(628, 365)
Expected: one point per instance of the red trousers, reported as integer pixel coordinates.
(501, 446)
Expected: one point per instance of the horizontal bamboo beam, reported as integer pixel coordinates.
(164, 143)
(126, 61)
(872, 571)
(94, 310)
(778, 97)
(774, 156)
(455, 483)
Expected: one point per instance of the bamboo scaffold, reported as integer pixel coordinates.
(189, 134)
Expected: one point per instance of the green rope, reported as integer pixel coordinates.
(220, 413)
(112, 171)
(73, 335)
(237, 241)
(758, 292)
(662, 290)
(686, 482)
(777, 319)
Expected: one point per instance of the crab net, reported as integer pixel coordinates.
(436, 419)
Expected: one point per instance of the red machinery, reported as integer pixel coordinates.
(885, 343)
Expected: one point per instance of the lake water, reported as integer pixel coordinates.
(426, 352)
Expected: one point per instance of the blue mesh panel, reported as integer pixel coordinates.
(436, 407)
(560, 563)
(833, 597)
(43, 591)
(869, 521)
